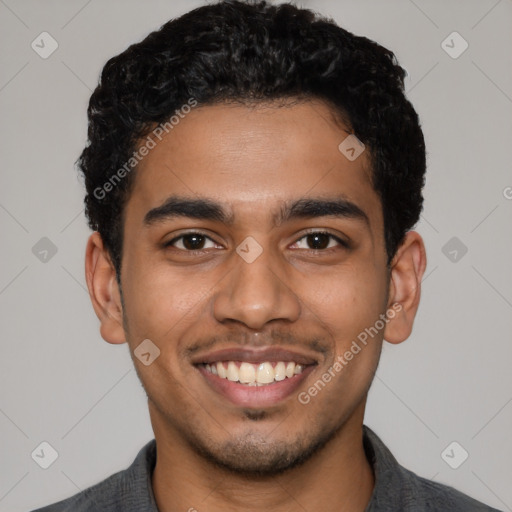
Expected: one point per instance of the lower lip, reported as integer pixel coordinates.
(243, 395)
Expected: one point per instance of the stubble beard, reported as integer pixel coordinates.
(256, 455)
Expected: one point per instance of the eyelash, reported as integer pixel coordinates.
(313, 232)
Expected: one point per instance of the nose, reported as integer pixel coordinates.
(256, 293)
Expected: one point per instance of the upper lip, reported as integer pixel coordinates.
(254, 355)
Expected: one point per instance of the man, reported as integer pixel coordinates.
(253, 174)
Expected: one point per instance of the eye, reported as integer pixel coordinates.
(318, 241)
(192, 242)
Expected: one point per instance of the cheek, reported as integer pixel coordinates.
(346, 300)
(160, 304)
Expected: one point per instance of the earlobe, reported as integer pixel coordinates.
(407, 271)
(104, 290)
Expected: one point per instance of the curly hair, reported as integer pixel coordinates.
(248, 51)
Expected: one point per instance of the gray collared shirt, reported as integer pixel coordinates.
(396, 488)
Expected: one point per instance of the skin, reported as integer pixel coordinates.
(252, 160)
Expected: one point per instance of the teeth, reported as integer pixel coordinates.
(221, 371)
(254, 374)
(265, 373)
(280, 371)
(246, 373)
(232, 372)
(298, 369)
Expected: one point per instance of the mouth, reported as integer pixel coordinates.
(255, 378)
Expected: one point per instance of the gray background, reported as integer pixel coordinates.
(451, 381)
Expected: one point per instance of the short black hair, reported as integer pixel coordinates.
(247, 51)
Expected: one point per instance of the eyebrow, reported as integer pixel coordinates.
(209, 209)
(177, 206)
(309, 208)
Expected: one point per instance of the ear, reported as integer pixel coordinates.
(407, 269)
(104, 290)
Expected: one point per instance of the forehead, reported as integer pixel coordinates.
(251, 159)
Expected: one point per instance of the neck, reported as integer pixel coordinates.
(338, 477)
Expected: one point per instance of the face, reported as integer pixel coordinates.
(252, 243)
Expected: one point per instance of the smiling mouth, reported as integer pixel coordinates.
(255, 377)
(254, 374)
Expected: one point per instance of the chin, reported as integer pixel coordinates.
(253, 456)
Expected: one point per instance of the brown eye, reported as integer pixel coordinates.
(192, 242)
(318, 240)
